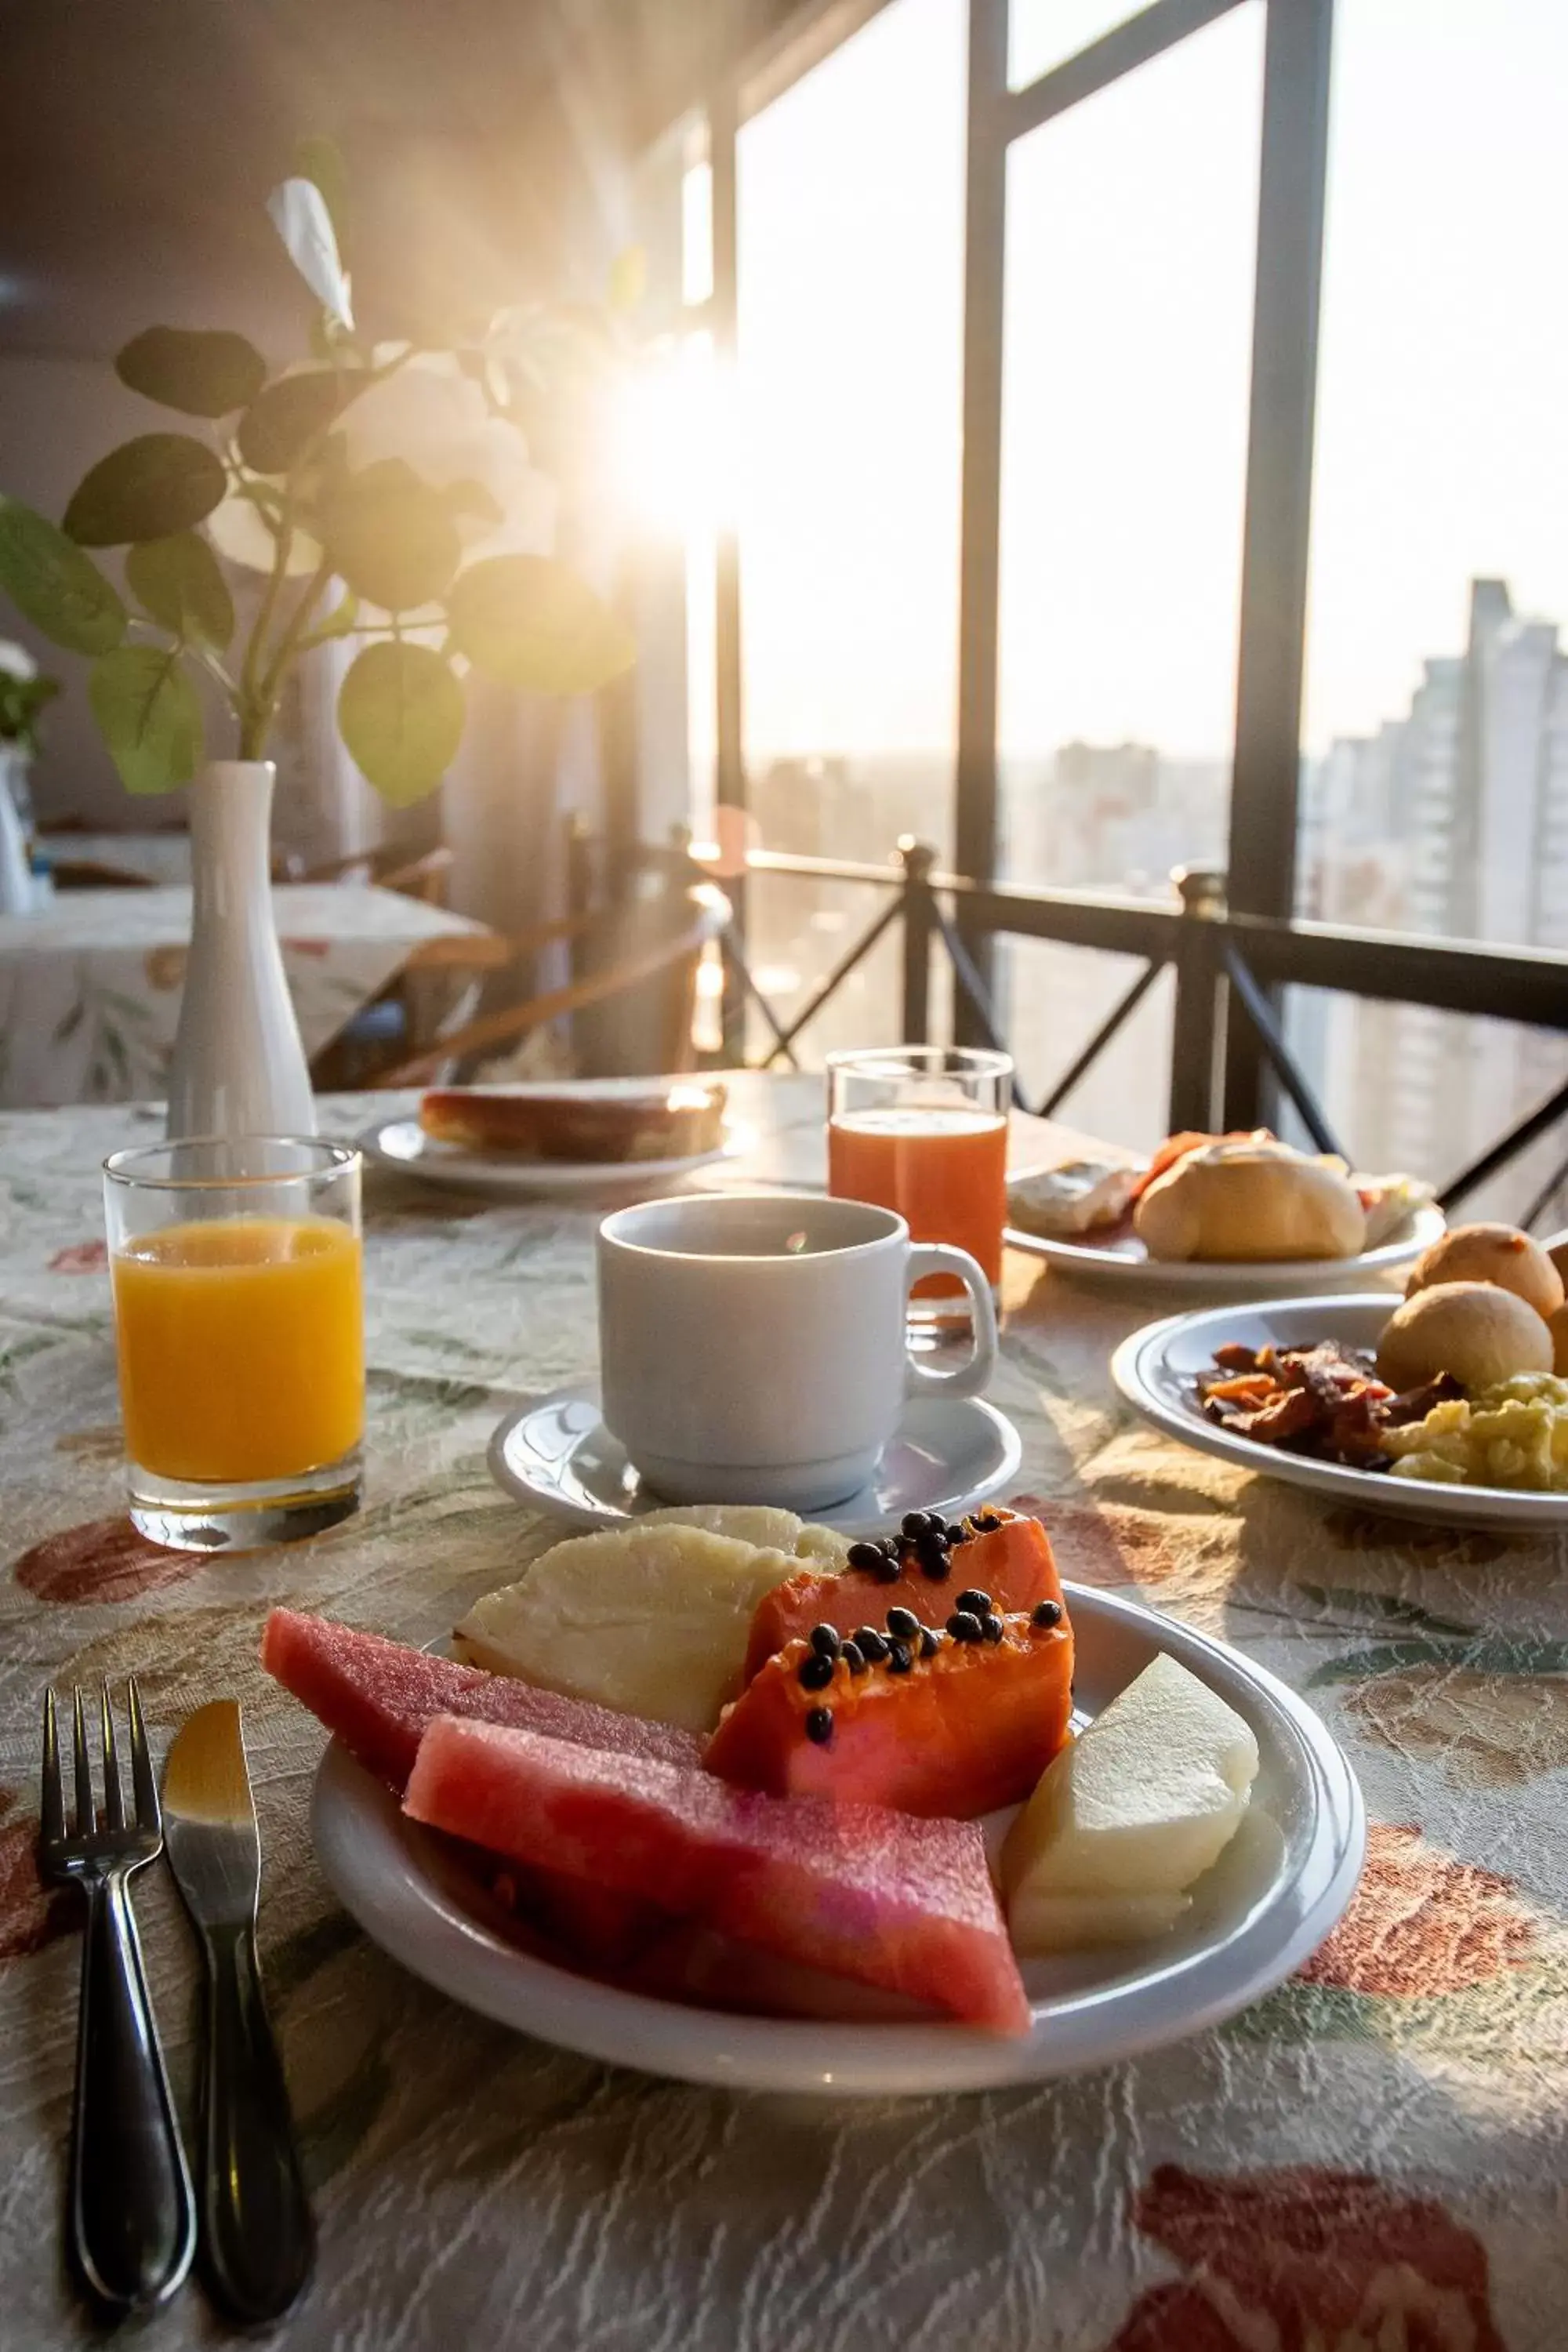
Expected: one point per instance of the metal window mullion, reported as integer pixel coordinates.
(985, 254)
(724, 310)
(1264, 785)
(1120, 51)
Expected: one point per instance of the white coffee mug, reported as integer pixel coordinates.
(753, 1347)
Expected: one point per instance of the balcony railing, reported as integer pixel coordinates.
(1226, 967)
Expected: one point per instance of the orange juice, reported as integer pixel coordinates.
(944, 1172)
(241, 1348)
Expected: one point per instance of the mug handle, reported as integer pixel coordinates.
(937, 1257)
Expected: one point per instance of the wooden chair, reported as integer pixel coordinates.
(426, 877)
(91, 874)
(672, 958)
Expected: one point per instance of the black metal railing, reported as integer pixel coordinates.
(1224, 965)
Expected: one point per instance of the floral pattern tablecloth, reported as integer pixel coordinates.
(90, 986)
(1375, 2158)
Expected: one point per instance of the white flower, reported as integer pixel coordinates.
(15, 661)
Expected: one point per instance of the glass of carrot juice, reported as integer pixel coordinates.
(923, 1129)
(238, 1317)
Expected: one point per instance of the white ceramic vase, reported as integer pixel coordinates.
(238, 1067)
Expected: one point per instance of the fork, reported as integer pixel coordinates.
(132, 2216)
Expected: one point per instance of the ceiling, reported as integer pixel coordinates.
(139, 138)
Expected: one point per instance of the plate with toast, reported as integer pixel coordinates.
(583, 1135)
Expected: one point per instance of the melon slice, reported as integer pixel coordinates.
(1130, 1815)
(762, 1524)
(652, 1620)
(879, 1896)
(999, 1552)
(967, 1728)
(377, 1698)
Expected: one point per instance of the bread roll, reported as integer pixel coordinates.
(1500, 1254)
(1472, 1329)
(1250, 1201)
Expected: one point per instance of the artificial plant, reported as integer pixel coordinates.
(350, 531)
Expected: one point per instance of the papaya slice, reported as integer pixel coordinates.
(1000, 1552)
(933, 1723)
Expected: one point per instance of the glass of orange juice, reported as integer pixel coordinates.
(238, 1317)
(924, 1130)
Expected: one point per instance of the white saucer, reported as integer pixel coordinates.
(949, 1455)
(1263, 1909)
(1157, 1371)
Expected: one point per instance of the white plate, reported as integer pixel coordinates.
(1155, 1370)
(402, 1144)
(1126, 1261)
(949, 1455)
(1263, 1909)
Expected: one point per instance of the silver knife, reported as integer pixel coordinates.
(257, 2236)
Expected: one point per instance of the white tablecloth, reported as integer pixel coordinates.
(89, 987)
(160, 856)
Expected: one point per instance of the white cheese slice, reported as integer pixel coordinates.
(1136, 1808)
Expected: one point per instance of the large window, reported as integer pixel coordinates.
(1435, 788)
(1132, 233)
(1131, 226)
(847, 455)
(1127, 608)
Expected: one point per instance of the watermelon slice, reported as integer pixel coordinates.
(1003, 1553)
(377, 1696)
(930, 1725)
(879, 1896)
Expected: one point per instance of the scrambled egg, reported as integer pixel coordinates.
(1514, 1434)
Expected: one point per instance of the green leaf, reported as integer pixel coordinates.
(177, 581)
(202, 374)
(60, 590)
(470, 497)
(285, 417)
(340, 621)
(148, 714)
(400, 712)
(321, 161)
(390, 536)
(528, 621)
(159, 483)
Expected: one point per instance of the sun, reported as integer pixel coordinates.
(672, 439)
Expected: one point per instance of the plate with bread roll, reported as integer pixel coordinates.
(1232, 1215)
(1448, 1405)
(591, 1135)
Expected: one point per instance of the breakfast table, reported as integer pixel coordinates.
(91, 986)
(1371, 2158)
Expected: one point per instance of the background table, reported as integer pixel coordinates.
(90, 987)
(1373, 2160)
(162, 856)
